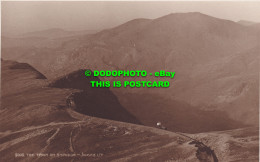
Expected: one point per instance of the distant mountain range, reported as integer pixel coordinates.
(57, 33)
(45, 38)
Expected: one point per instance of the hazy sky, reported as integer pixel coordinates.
(20, 17)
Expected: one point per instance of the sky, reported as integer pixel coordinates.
(21, 17)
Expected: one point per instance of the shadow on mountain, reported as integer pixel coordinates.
(92, 101)
(28, 67)
(177, 116)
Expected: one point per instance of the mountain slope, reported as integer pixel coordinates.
(215, 60)
(256, 26)
(92, 101)
(175, 115)
(246, 23)
(35, 120)
(206, 53)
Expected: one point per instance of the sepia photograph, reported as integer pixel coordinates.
(129, 81)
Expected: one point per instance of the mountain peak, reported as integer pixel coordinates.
(185, 14)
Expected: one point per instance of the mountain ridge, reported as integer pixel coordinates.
(197, 50)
